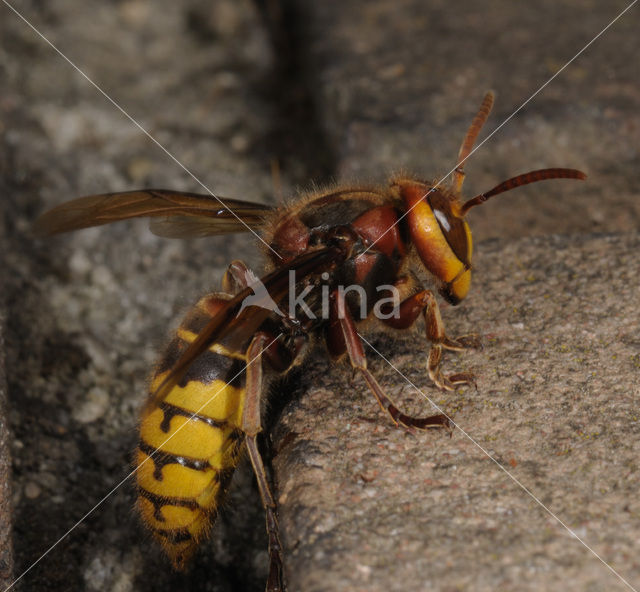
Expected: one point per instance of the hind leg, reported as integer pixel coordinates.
(251, 426)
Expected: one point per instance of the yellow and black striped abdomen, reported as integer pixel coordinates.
(196, 432)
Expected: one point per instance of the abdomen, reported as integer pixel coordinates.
(190, 441)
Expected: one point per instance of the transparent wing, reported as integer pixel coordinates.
(179, 214)
(199, 226)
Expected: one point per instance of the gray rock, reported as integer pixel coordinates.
(6, 549)
(398, 83)
(551, 438)
(88, 312)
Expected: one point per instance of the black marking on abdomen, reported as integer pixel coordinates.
(236, 437)
(158, 501)
(196, 320)
(174, 535)
(170, 411)
(161, 458)
(224, 478)
(171, 354)
(206, 368)
(210, 366)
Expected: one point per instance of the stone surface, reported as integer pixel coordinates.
(399, 82)
(6, 514)
(6, 548)
(350, 90)
(88, 312)
(366, 506)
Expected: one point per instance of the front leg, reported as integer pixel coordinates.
(408, 311)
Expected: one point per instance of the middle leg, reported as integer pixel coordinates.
(343, 337)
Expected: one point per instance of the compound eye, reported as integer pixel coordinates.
(453, 228)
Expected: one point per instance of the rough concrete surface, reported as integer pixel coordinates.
(416, 74)
(87, 313)
(6, 549)
(374, 508)
(331, 91)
